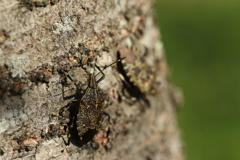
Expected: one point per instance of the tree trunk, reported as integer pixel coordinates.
(43, 42)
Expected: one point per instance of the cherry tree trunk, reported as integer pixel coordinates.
(48, 51)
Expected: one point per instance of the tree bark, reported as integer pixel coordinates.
(42, 39)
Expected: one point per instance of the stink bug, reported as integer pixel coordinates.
(89, 114)
(136, 71)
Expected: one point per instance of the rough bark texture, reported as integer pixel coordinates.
(41, 38)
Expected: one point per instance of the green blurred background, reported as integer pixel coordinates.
(201, 39)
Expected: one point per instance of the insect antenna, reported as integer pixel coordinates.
(109, 65)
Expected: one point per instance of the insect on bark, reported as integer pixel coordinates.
(136, 71)
(89, 114)
(138, 76)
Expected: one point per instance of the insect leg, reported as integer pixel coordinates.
(74, 117)
(67, 143)
(67, 75)
(103, 75)
(144, 98)
(64, 97)
(101, 71)
(106, 114)
(63, 109)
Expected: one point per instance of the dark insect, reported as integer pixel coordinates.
(136, 70)
(91, 108)
(89, 114)
(30, 4)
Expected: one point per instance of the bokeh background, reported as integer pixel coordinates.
(202, 44)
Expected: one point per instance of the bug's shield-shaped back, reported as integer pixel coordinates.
(91, 108)
(94, 96)
(136, 69)
(82, 121)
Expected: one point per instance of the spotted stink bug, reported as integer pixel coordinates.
(89, 114)
(136, 70)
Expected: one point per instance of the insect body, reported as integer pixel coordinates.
(90, 112)
(137, 71)
(91, 108)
